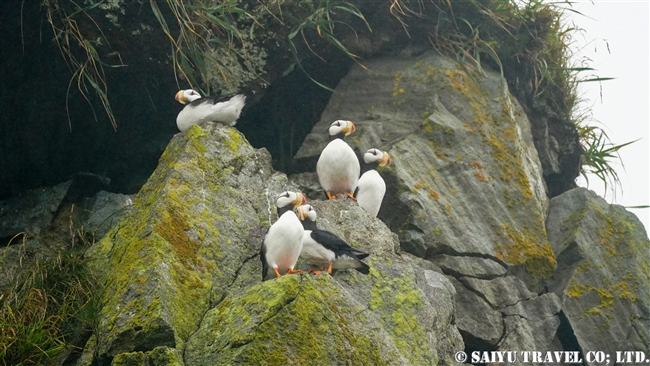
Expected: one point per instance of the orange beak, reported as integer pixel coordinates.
(350, 129)
(301, 214)
(180, 97)
(385, 160)
(299, 198)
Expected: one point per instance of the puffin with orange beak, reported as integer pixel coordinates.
(338, 166)
(326, 250)
(223, 108)
(371, 187)
(283, 241)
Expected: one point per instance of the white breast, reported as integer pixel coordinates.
(371, 192)
(315, 253)
(338, 168)
(283, 243)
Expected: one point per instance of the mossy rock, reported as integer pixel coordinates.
(466, 177)
(603, 271)
(181, 275)
(192, 227)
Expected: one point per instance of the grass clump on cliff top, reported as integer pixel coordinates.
(47, 311)
(222, 46)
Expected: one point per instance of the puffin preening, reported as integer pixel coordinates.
(338, 167)
(371, 186)
(223, 108)
(326, 250)
(283, 241)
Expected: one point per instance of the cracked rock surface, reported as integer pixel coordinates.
(466, 192)
(603, 254)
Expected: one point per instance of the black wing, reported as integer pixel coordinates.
(212, 100)
(336, 244)
(265, 266)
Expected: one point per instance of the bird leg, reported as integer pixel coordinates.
(316, 273)
(351, 195)
(329, 269)
(291, 271)
(276, 272)
(330, 196)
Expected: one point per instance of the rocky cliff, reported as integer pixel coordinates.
(468, 253)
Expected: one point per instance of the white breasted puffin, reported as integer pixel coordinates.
(223, 108)
(283, 241)
(338, 166)
(326, 250)
(371, 187)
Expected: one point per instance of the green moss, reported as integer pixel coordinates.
(130, 359)
(288, 321)
(527, 248)
(398, 299)
(164, 260)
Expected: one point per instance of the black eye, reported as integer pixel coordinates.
(338, 124)
(286, 194)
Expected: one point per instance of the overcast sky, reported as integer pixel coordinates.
(623, 112)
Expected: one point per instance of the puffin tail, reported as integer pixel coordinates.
(363, 268)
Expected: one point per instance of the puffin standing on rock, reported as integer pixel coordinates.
(326, 250)
(371, 187)
(283, 241)
(338, 167)
(223, 108)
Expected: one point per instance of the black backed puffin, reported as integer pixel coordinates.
(223, 108)
(283, 241)
(338, 166)
(326, 250)
(371, 187)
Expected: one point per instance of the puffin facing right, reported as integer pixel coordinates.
(371, 187)
(338, 166)
(283, 241)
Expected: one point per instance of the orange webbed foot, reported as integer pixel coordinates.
(276, 272)
(292, 271)
(331, 196)
(351, 195)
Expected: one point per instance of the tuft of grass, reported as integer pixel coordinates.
(48, 311)
(599, 155)
(320, 18)
(201, 28)
(80, 54)
(530, 44)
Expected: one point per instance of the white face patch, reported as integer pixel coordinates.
(337, 127)
(285, 199)
(311, 214)
(372, 155)
(191, 95)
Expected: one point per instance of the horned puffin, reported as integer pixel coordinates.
(222, 108)
(338, 166)
(326, 250)
(283, 241)
(371, 187)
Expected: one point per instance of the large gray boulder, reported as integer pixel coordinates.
(465, 190)
(602, 253)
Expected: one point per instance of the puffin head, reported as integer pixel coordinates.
(290, 198)
(341, 128)
(187, 96)
(307, 212)
(377, 156)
